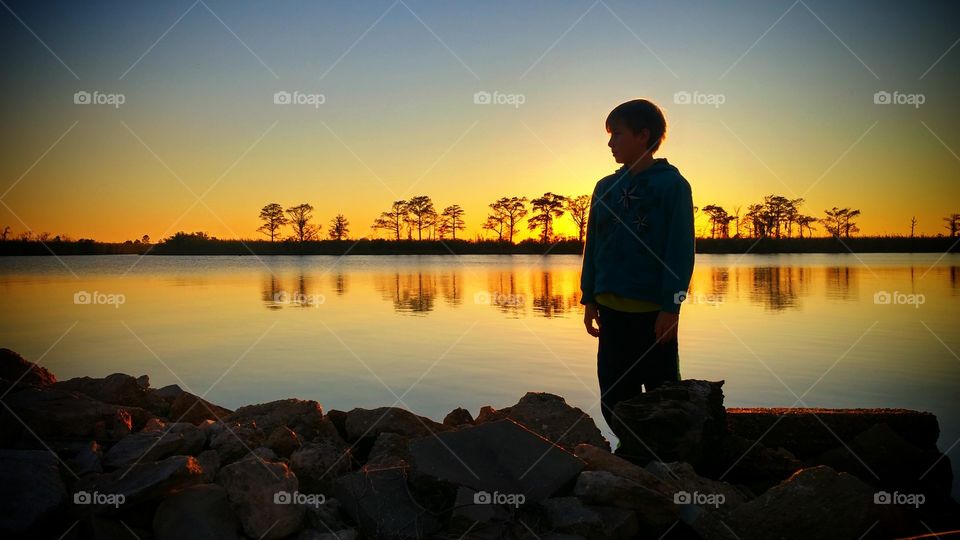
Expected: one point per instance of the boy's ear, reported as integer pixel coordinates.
(644, 136)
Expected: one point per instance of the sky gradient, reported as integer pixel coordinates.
(797, 81)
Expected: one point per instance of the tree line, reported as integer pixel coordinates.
(298, 217)
(418, 218)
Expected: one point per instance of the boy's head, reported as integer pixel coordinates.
(636, 130)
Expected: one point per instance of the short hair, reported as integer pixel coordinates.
(638, 114)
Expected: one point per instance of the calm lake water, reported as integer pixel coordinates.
(431, 333)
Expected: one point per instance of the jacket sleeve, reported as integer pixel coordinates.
(679, 253)
(587, 272)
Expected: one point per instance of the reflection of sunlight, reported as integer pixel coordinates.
(554, 290)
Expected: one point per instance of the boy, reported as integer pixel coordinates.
(637, 260)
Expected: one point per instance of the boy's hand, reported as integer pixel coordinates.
(591, 315)
(666, 326)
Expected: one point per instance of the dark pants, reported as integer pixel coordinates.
(628, 357)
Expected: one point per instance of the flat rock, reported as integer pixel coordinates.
(881, 457)
(146, 446)
(500, 456)
(808, 432)
(142, 483)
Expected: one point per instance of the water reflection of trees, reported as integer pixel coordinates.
(340, 283)
(841, 283)
(547, 299)
(504, 294)
(556, 293)
(300, 294)
(777, 288)
(413, 292)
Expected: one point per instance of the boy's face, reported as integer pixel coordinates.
(627, 147)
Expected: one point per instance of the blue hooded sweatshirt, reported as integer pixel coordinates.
(640, 239)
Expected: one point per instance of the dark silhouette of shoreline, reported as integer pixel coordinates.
(184, 244)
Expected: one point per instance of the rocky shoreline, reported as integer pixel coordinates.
(114, 458)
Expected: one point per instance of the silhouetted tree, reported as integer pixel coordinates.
(778, 211)
(913, 225)
(833, 220)
(507, 213)
(451, 220)
(5, 234)
(848, 225)
(145, 239)
(805, 221)
(546, 209)
(719, 220)
(421, 212)
(495, 223)
(273, 219)
(839, 221)
(579, 209)
(393, 219)
(339, 227)
(757, 219)
(300, 217)
(952, 224)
